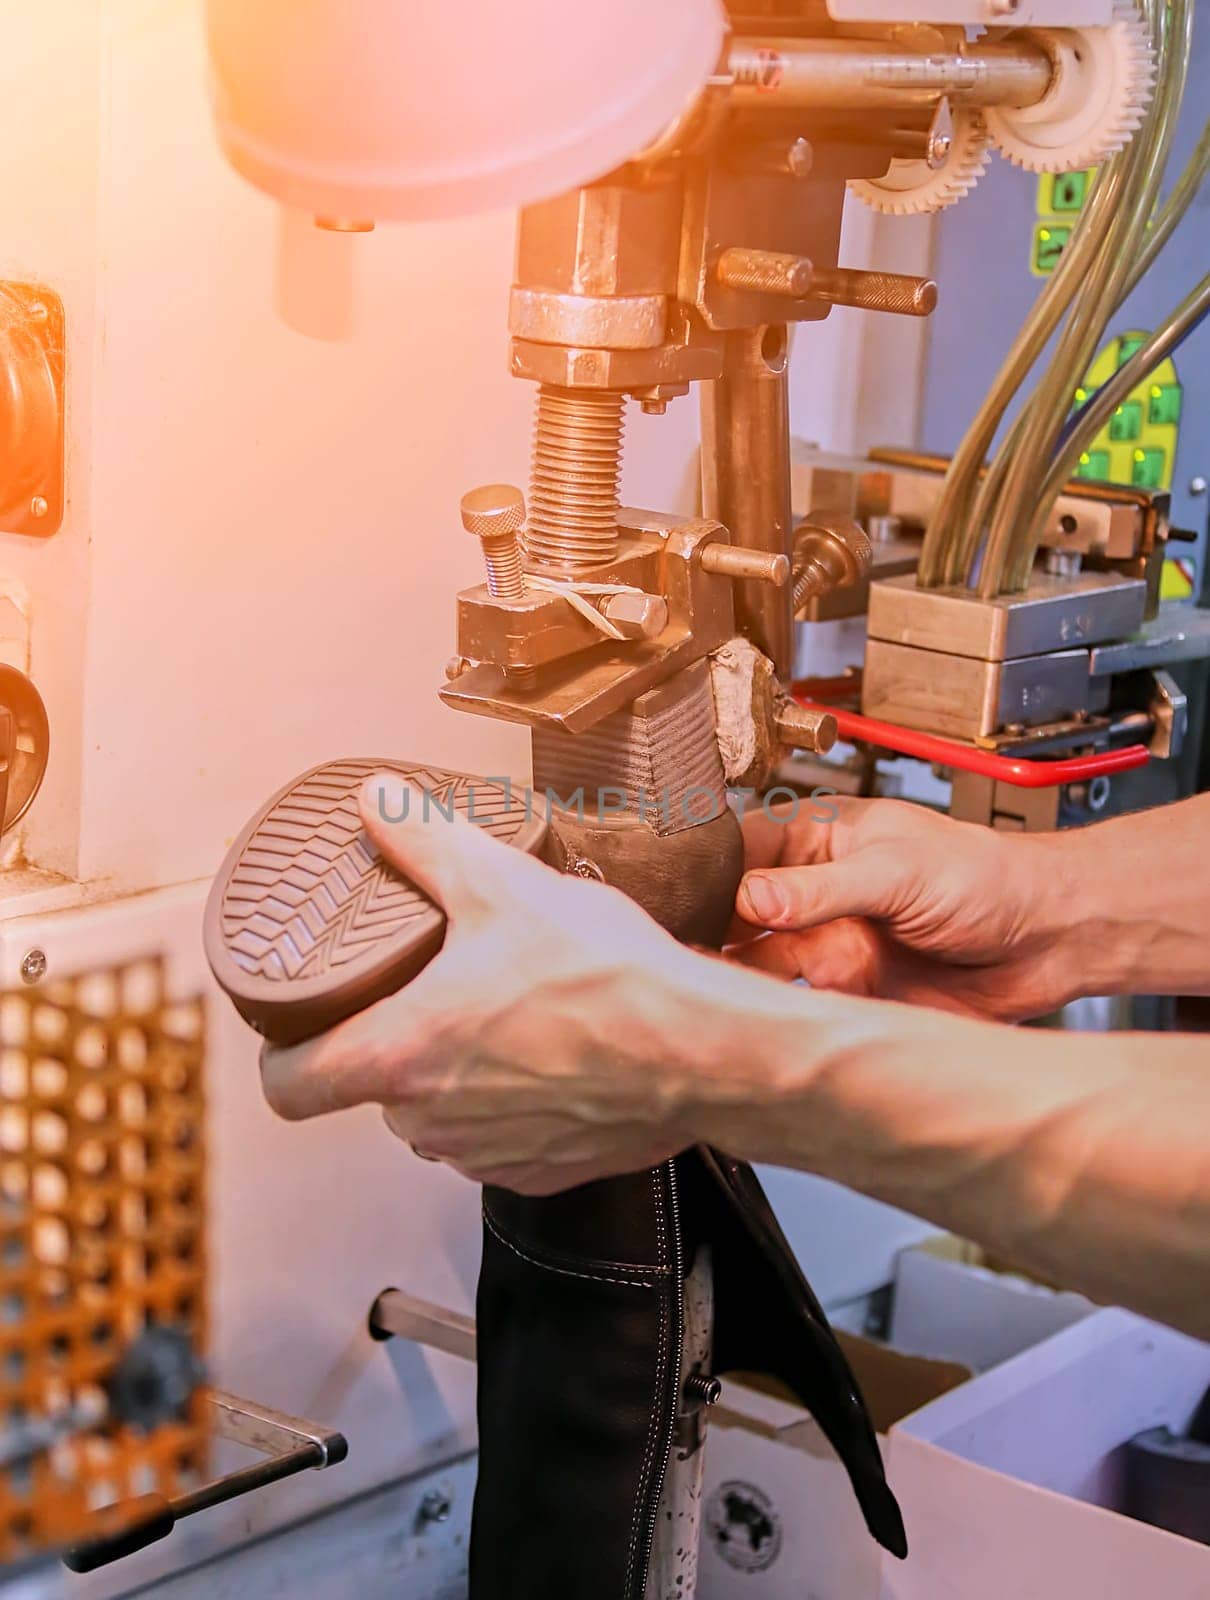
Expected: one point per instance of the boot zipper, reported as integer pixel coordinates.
(678, 1355)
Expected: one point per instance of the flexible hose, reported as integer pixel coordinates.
(1097, 411)
(1010, 551)
(1174, 208)
(1171, 214)
(952, 532)
(962, 512)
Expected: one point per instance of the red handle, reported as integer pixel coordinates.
(1017, 770)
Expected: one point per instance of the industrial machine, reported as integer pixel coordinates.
(682, 172)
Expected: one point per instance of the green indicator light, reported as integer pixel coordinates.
(1094, 464)
(1068, 191)
(1148, 469)
(1128, 344)
(1164, 404)
(1048, 247)
(1126, 422)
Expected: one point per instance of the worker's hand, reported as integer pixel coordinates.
(894, 900)
(550, 1041)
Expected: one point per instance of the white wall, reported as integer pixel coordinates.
(270, 431)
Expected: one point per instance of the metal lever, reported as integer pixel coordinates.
(289, 1444)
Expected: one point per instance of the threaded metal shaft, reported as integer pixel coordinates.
(505, 574)
(577, 467)
(810, 581)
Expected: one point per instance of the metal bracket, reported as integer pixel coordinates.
(1170, 710)
(289, 1445)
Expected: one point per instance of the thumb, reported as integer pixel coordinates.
(458, 865)
(862, 885)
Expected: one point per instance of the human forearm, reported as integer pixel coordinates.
(1082, 1159)
(1125, 905)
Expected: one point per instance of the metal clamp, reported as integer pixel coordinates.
(289, 1445)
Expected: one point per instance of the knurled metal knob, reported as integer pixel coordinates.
(830, 552)
(495, 514)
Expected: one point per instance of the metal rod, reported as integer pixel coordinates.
(395, 1315)
(290, 1445)
(759, 566)
(855, 75)
(246, 1480)
(765, 272)
(746, 474)
(899, 292)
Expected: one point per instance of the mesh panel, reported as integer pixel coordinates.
(101, 1207)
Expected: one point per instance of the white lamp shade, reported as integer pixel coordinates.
(378, 110)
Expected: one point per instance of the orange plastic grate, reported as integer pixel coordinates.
(101, 1236)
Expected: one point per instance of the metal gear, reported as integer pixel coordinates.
(1102, 86)
(914, 186)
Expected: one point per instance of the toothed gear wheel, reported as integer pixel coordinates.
(912, 187)
(1104, 78)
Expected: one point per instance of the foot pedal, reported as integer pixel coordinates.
(306, 924)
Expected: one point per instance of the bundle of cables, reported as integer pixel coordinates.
(989, 522)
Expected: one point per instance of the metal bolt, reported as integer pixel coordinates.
(800, 158)
(801, 729)
(33, 966)
(39, 505)
(456, 667)
(830, 552)
(434, 1509)
(636, 616)
(772, 159)
(653, 408)
(702, 1389)
(495, 514)
(1197, 486)
(1091, 796)
(523, 678)
(938, 148)
(1063, 563)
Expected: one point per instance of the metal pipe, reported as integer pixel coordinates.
(856, 74)
(746, 473)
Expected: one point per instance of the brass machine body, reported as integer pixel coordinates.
(688, 266)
